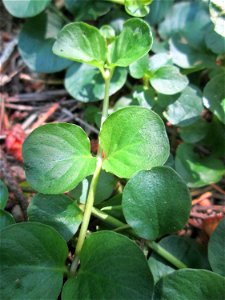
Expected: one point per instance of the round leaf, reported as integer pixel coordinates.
(184, 249)
(139, 68)
(57, 157)
(151, 198)
(214, 41)
(6, 219)
(57, 211)
(32, 257)
(85, 83)
(197, 171)
(186, 109)
(189, 284)
(168, 80)
(158, 11)
(133, 139)
(112, 267)
(3, 195)
(214, 96)
(81, 42)
(194, 132)
(137, 8)
(134, 41)
(216, 249)
(26, 9)
(36, 40)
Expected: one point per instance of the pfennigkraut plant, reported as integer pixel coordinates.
(155, 201)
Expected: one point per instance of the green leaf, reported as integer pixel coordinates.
(184, 249)
(214, 41)
(90, 11)
(139, 68)
(58, 211)
(217, 13)
(105, 187)
(168, 80)
(216, 249)
(29, 8)
(32, 257)
(194, 132)
(186, 109)
(6, 219)
(214, 97)
(137, 8)
(85, 83)
(81, 42)
(112, 267)
(57, 157)
(187, 57)
(36, 40)
(133, 139)
(158, 11)
(189, 284)
(144, 97)
(4, 194)
(134, 42)
(150, 198)
(197, 171)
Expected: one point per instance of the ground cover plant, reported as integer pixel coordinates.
(102, 222)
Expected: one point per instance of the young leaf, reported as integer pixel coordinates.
(186, 107)
(29, 8)
(89, 85)
(57, 157)
(112, 267)
(134, 42)
(183, 248)
(3, 195)
(214, 97)
(81, 42)
(58, 211)
(133, 139)
(189, 284)
(36, 40)
(197, 171)
(32, 257)
(216, 249)
(6, 219)
(150, 198)
(137, 8)
(168, 80)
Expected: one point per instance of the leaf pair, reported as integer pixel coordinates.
(57, 156)
(163, 76)
(84, 43)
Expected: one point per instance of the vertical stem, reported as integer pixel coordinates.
(92, 190)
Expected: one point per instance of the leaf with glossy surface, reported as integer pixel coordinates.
(4, 194)
(58, 211)
(36, 40)
(179, 285)
(150, 198)
(216, 249)
(133, 139)
(81, 42)
(186, 109)
(217, 8)
(6, 219)
(57, 157)
(134, 42)
(26, 9)
(183, 248)
(197, 171)
(214, 96)
(85, 83)
(139, 68)
(112, 267)
(32, 260)
(168, 80)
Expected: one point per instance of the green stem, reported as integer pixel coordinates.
(93, 186)
(116, 1)
(153, 245)
(165, 254)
